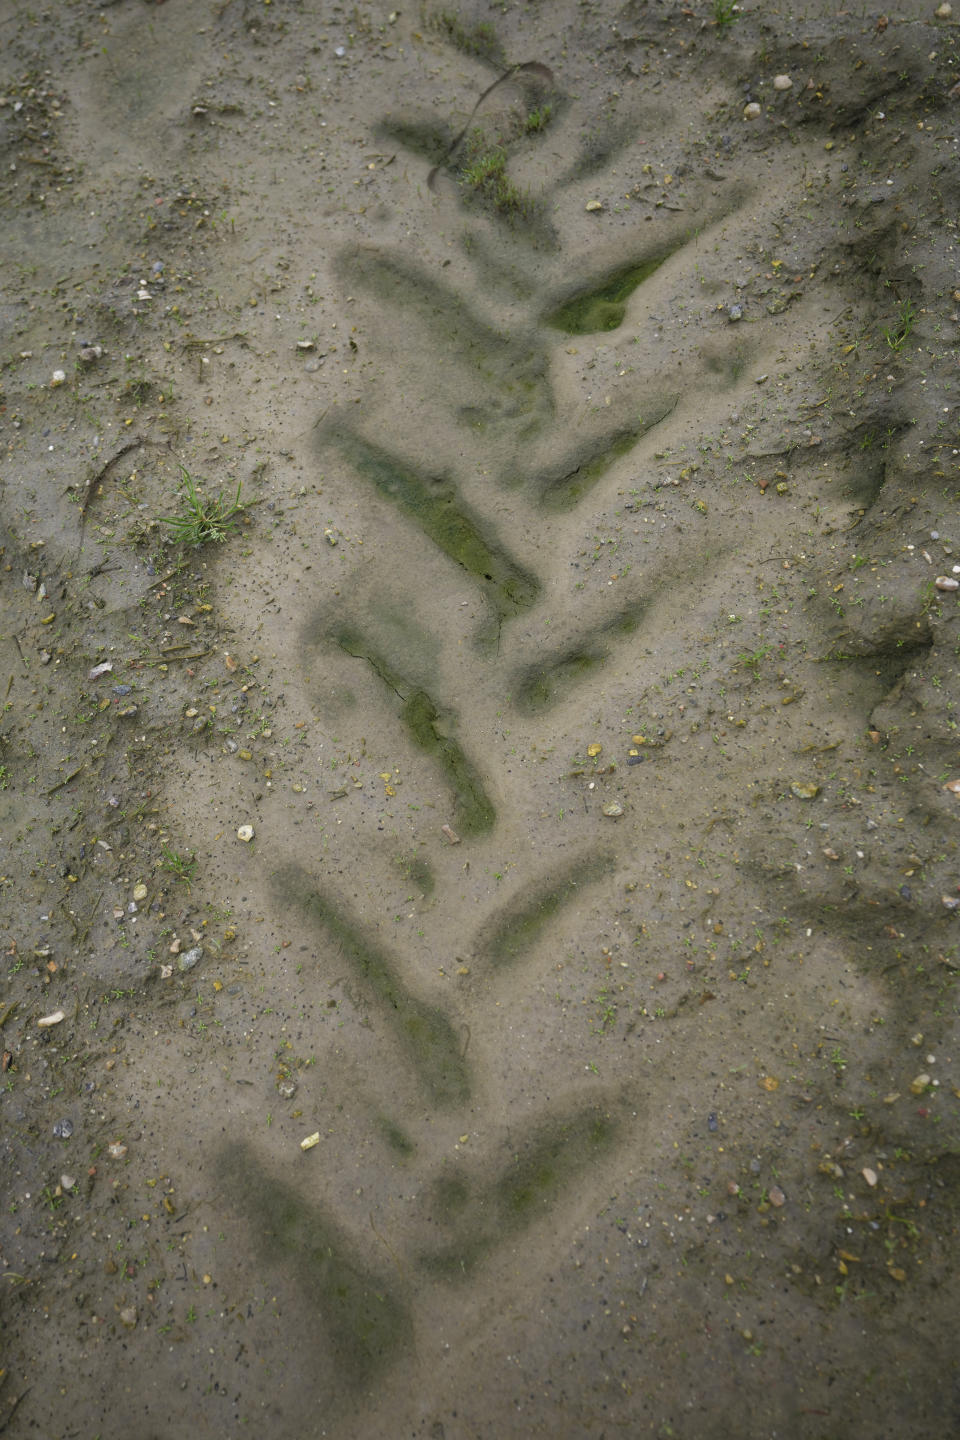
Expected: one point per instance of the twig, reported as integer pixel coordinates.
(527, 66)
(9, 1415)
(96, 479)
(65, 781)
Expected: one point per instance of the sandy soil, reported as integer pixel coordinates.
(576, 464)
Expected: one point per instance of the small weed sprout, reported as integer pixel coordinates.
(183, 867)
(538, 119)
(724, 13)
(202, 520)
(752, 661)
(479, 39)
(485, 173)
(897, 335)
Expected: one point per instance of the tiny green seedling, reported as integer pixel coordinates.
(897, 335)
(724, 13)
(752, 661)
(538, 119)
(184, 867)
(203, 521)
(484, 173)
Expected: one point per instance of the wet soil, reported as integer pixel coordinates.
(480, 941)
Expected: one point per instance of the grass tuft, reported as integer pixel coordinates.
(479, 40)
(897, 335)
(725, 13)
(538, 119)
(485, 173)
(203, 521)
(183, 867)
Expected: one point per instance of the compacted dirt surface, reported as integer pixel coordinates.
(479, 766)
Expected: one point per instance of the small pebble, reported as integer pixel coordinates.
(67, 1182)
(869, 1175)
(782, 82)
(53, 1019)
(116, 1151)
(128, 1315)
(919, 1084)
(190, 958)
(752, 111)
(947, 582)
(140, 891)
(776, 1196)
(57, 378)
(63, 1129)
(245, 833)
(613, 809)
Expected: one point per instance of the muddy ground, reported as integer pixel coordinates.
(569, 1046)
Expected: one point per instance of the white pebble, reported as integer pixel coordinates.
(782, 82)
(57, 378)
(752, 111)
(947, 582)
(245, 833)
